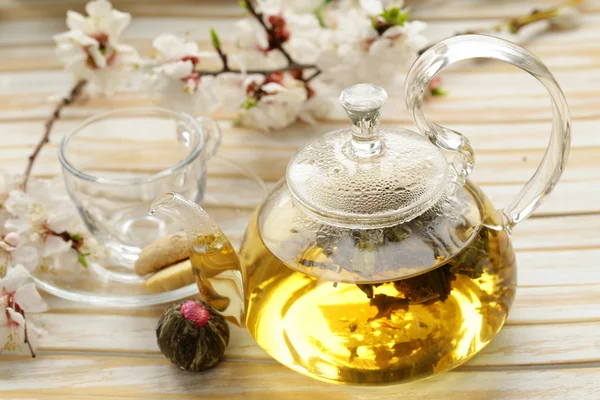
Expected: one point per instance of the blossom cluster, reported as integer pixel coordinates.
(40, 231)
(285, 58)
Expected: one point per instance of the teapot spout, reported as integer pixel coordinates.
(213, 258)
(192, 218)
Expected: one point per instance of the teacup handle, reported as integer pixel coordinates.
(212, 136)
(464, 47)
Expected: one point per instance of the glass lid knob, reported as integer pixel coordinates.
(363, 104)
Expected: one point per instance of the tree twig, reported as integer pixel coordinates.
(265, 72)
(65, 101)
(223, 60)
(26, 338)
(514, 25)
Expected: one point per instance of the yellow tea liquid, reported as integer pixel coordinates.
(375, 334)
(218, 275)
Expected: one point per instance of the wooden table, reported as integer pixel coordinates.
(550, 347)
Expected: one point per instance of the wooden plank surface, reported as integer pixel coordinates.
(550, 347)
(143, 377)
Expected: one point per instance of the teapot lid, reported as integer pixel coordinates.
(368, 176)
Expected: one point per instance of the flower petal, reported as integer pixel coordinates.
(18, 202)
(15, 278)
(14, 316)
(18, 225)
(60, 221)
(190, 48)
(272, 87)
(63, 38)
(4, 331)
(123, 49)
(75, 21)
(380, 47)
(67, 52)
(177, 69)
(372, 7)
(97, 56)
(55, 245)
(26, 256)
(393, 31)
(118, 23)
(170, 47)
(127, 58)
(230, 91)
(67, 262)
(16, 326)
(106, 80)
(29, 299)
(98, 8)
(250, 35)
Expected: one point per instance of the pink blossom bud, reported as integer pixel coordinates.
(10, 241)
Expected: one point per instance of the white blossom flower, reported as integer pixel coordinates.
(397, 46)
(177, 58)
(251, 46)
(18, 296)
(354, 51)
(305, 37)
(92, 49)
(180, 84)
(42, 229)
(318, 105)
(273, 102)
(566, 18)
(231, 89)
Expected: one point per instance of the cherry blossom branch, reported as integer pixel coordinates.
(65, 101)
(295, 67)
(514, 25)
(275, 42)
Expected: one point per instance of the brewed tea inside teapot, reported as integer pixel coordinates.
(376, 260)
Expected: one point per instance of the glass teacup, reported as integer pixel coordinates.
(116, 163)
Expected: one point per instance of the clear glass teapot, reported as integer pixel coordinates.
(376, 260)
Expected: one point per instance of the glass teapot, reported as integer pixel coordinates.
(376, 260)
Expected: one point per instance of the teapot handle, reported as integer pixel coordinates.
(464, 47)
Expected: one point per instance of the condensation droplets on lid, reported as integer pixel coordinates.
(367, 175)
